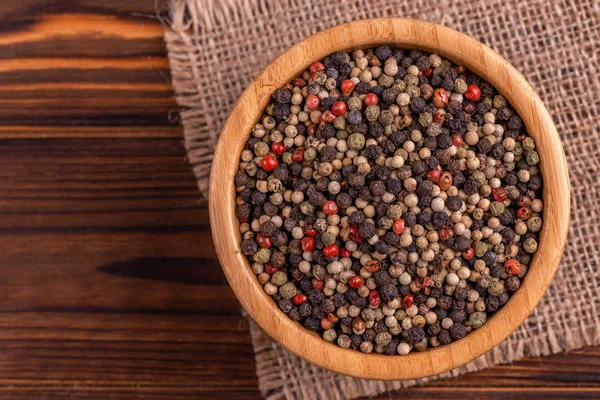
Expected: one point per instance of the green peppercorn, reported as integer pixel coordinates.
(534, 224)
(512, 192)
(530, 245)
(275, 185)
(262, 256)
(411, 80)
(394, 212)
(497, 208)
(330, 335)
(310, 154)
(460, 86)
(279, 278)
(499, 101)
(383, 338)
(518, 150)
(477, 319)
(480, 248)
(425, 119)
(528, 144)
(479, 176)
(288, 290)
(385, 81)
(354, 104)
(385, 223)
(356, 141)
(328, 238)
(496, 288)
(372, 112)
(532, 157)
(421, 345)
(339, 122)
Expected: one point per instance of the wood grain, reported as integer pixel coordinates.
(110, 283)
(404, 33)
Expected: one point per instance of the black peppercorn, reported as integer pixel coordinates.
(458, 331)
(454, 203)
(414, 335)
(366, 230)
(249, 247)
(389, 292)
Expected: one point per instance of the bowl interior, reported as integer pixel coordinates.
(408, 34)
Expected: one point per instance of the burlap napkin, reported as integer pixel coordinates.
(217, 47)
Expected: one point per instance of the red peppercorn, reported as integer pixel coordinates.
(318, 284)
(299, 299)
(310, 231)
(269, 163)
(356, 281)
(332, 318)
(270, 269)
(433, 175)
(298, 82)
(524, 213)
(344, 253)
(374, 298)
(428, 72)
(316, 67)
(298, 155)
(512, 267)
(278, 148)
(446, 233)
(354, 236)
(499, 194)
(469, 254)
(440, 98)
(312, 102)
(524, 201)
(243, 220)
(439, 118)
(371, 99)
(327, 116)
(347, 86)
(407, 301)
(339, 108)
(263, 241)
(307, 243)
(326, 324)
(331, 251)
(398, 226)
(425, 282)
(372, 266)
(330, 207)
(445, 180)
(460, 69)
(473, 93)
(457, 140)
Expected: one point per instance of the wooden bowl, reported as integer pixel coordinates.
(410, 34)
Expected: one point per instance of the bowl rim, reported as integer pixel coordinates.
(410, 34)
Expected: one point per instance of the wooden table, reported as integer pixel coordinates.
(111, 288)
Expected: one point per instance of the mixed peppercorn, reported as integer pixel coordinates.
(389, 200)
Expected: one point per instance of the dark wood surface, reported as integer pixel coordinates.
(110, 285)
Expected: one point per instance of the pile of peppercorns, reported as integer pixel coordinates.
(389, 200)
